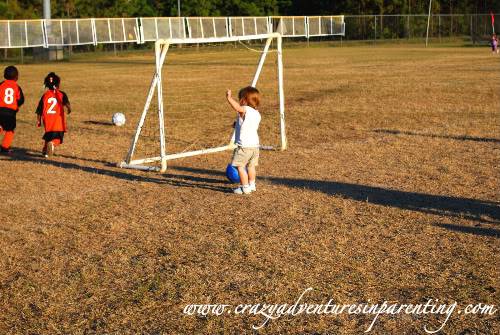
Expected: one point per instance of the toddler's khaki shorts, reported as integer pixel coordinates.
(245, 156)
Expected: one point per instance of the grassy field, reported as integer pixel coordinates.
(390, 190)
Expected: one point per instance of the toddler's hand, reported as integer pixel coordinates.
(38, 124)
(228, 94)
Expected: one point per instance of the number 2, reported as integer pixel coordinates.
(53, 102)
(9, 96)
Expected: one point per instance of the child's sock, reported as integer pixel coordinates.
(50, 148)
(44, 150)
(7, 139)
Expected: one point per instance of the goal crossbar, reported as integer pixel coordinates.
(161, 49)
(218, 39)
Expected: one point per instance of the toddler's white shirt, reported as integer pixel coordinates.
(247, 128)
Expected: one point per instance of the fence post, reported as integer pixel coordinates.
(307, 30)
(408, 26)
(428, 24)
(451, 27)
(471, 32)
(474, 27)
(439, 28)
(375, 41)
(362, 18)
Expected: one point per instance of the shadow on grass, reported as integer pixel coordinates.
(99, 123)
(450, 137)
(472, 209)
(166, 179)
(471, 230)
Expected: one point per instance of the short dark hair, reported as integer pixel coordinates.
(251, 95)
(52, 81)
(10, 73)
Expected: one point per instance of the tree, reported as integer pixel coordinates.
(27, 9)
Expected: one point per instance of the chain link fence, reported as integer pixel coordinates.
(476, 27)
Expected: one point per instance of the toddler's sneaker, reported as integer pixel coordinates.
(252, 187)
(242, 190)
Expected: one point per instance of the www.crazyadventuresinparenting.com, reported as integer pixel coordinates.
(270, 312)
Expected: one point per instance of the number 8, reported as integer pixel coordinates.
(9, 96)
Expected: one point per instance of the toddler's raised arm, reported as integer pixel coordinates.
(234, 104)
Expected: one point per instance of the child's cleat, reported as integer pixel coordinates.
(242, 190)
(50, 149)
(252, 187)
(5, 151)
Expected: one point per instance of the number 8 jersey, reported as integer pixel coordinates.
(51, 108)
(10, 95)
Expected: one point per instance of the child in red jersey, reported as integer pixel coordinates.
(50, 110)
(11, 98)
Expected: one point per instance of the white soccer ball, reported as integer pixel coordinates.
(119, 119)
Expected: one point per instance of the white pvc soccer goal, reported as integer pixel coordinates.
(186, 103)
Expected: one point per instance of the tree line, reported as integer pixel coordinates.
(32, 9)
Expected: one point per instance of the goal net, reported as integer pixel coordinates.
(186, 112)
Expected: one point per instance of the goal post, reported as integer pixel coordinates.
(156, 88)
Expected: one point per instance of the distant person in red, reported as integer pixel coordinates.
(11, 98)
(494, 44)
(50, 111)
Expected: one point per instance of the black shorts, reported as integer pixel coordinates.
(8, 120)
(52, 135)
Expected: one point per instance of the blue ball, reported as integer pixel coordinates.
(232, 174)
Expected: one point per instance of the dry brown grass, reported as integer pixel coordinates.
(389, 191)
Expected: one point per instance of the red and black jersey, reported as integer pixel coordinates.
(51, 108)
(11, 96)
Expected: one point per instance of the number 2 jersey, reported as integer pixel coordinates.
(11, 98)
(51, 108)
